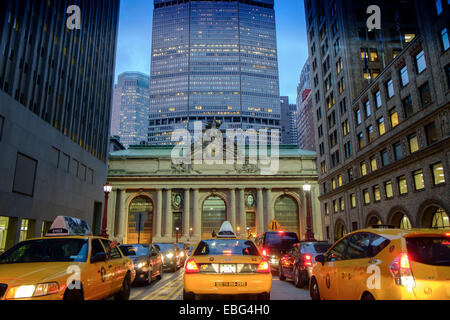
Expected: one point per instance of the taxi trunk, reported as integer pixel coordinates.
(223, 275)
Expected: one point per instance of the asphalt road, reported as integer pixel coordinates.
(170, 287)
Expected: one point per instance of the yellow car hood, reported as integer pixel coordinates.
(33, 273)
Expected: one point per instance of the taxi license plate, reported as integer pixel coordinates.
(231, 284)
(227, 268)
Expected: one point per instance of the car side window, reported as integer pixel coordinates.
(96, 247)
(359, 246)
(338, 251)
(114, 254)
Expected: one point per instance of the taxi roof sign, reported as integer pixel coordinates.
(226, 231)
(68, 226)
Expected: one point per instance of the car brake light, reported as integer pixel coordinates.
(265, 252)
(191, 266)
(263, 267)
(400, 269)
(308, 260)
(227, 252)
(447, 234)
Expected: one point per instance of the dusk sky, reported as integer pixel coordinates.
(135, 33)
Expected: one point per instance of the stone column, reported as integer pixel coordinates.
(168, 228)
(242, 214)
(259, 211)
(159, 201)
(233, 209)
(186, 213)
(123, 217)
(111, 213)
(270, 212)
(197, 234)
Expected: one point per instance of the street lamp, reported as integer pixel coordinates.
(309, 229)
(176, 234)
(238, 229)
(190, 232)
(107, 188)
(248, 232)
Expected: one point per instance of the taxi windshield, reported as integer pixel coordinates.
(135, 250)
(228, 247)
(164, 247)
(47, 250)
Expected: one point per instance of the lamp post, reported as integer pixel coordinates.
(238, 229)
(248, 232)
(107, 188)
(176, 234)
(309, 229)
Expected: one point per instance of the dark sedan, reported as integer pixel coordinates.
(171, 255)
(147, 261)
(298, 262)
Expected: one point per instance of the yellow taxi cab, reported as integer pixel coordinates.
(227, 265)
(67, 264)
(382, 263)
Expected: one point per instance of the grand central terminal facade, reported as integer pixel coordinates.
(154, 200)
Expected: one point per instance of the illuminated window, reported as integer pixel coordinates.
(402, 185)
(377, 193)
(440, 219)
(381, 126)
(353, 200)
(378, 99)
(405, 223)
(413, 143)
(366, 196)
(4, 221)
(370, 134)
(390, 88)
(342, 204)
(409, 37)
(404, 76)
(340, 182)
(361, 140)
(421, 64)
(363, 167)
(373, 164)
(23, 230)
(444, 39)
(388, 189)
(419, 183)
(327, 209)
(393, 116)
(438, 173)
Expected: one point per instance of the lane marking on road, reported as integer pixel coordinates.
(143, 294)
(175, 292)
(162, 288)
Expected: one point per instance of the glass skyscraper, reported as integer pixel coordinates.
(213, 60)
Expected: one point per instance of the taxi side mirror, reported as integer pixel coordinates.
(99, 257)
(320, 258)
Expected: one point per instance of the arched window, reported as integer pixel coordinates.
(287, 214)
(140, 221)
(374, 220)
(214, 213)
(405, 223)
(440, 219)
(340, 231)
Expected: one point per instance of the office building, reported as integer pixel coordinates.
(213, 60)
(288, 131)
(55, 103)
(381, 113)
(304, 122)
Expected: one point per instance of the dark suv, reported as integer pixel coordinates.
(275, 244)
(298, 262)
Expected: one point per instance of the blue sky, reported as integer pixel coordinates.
(135, 32)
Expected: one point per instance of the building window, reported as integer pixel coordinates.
(425, 94)
(342, 204)
(393, 116)
(377, 193)
(4, 222)
(440, 219)
(348, 149)
(323, 167)
(340, 181)
(407, 107)
(378, 99)
(358, 116)
(373, 55)
(398, 153)
(335, 206)
(346, 128)
(421, 64)
(413, 143)
(404, 76)
(388, 189)
(431, 134)
(438, 173)
(25, 175)
(390, 88)
(363, 167)
(361, 140)
(370, 134)
(444, 39)
(402, 185)
(367, 108)
(419, 183)
(23, 230)
(438, 7)
(405, 223)
(366, 196)
(384, 158)
(327, 209)
(350, 174)
(381, 126)
(353, 200)
(333, 183)
(373, 164)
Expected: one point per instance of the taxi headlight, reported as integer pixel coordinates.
(181, 254)
(29, 291)
(169, 255)
(141, 265)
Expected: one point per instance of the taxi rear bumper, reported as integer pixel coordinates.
(221, 284)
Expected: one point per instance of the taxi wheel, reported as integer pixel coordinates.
(124, 293)
(314, 290)
(300, 280)
(188, 296)
(280, 274)
(73, 295)
(367, 296)
(160, 272)
(149, 277)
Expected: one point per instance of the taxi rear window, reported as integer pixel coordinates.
(47, 250)
(230, 247)
(135, 250)
(434, 251)
(284, 240)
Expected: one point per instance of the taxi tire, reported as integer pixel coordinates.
(124, 293)
(264, 296)
(160, 273)
(367, 296)
(188, 296)
(314, 290)
(280, 274)
(300, 280)
(149, 277)
(73, 295)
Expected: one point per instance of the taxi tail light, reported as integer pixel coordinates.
(401, 270)
(307, 260)
(265, 252)
(263, 267)
(191, 267)
(447, 234)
